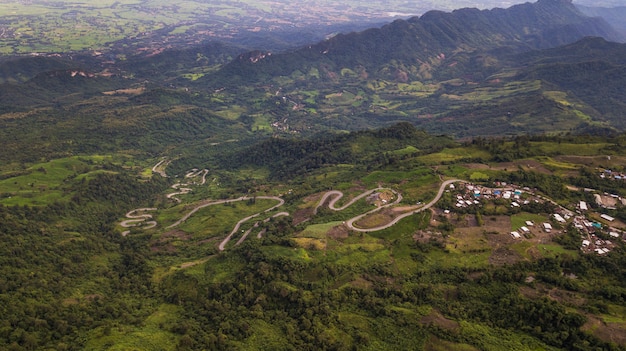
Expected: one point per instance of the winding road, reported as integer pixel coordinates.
(336, 195)
(160, 167)
(136, 219)
(442, 188)
(224, 242)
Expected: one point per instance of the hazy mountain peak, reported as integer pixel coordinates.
(544, 24)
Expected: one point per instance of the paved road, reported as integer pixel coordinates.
(332, 205)
(222, 245)
(442, 188)
(134, 218)
(164, 162)
(338, 195)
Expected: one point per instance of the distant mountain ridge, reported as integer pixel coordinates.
(615, 16)
(435, 35)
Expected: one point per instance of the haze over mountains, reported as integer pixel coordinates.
(119, 27)
(463, 73)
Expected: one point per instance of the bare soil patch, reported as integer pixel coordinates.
(176, 234)
(500, 224)
(338, 232)
(313, 198)
(376, 219)
(302, 215)
(164, 242)
(566, 297)
(426, 236)
(609, 332)
(404, 209)
(531, 293)
(464, 221)
(437, 319)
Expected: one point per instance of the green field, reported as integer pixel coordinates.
(47, 182)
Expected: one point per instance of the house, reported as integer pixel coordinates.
(586, 243)
(559, 218)
(515, 235)
(607, 217)
(530, 223)
(547, 227)
(525, 229)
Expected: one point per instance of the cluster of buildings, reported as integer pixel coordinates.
(609, 174)
(523, 230)
(594, 237)
(473, 194)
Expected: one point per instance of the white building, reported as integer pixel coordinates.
(559, 218)
(607, 217)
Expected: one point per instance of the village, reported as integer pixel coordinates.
(599, 232)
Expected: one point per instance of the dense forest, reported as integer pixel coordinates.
(462, 188)
(71, 281)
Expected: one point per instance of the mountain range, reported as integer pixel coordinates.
(532, 68)
(545, 24)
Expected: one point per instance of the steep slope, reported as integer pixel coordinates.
(20, 69)
(592, 70)
(433, 36)
(613, 15)
(171, 63)
(52, 87)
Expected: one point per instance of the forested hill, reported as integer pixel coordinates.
(420, 40)
(289, 158)
(613, 15)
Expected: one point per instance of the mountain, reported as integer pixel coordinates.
(159, 64)
(434, 36)
(466, 73)
(21, 69)
(613, 15)
(593, 70)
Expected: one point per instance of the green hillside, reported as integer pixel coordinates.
(86, 268)
(449, 182)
